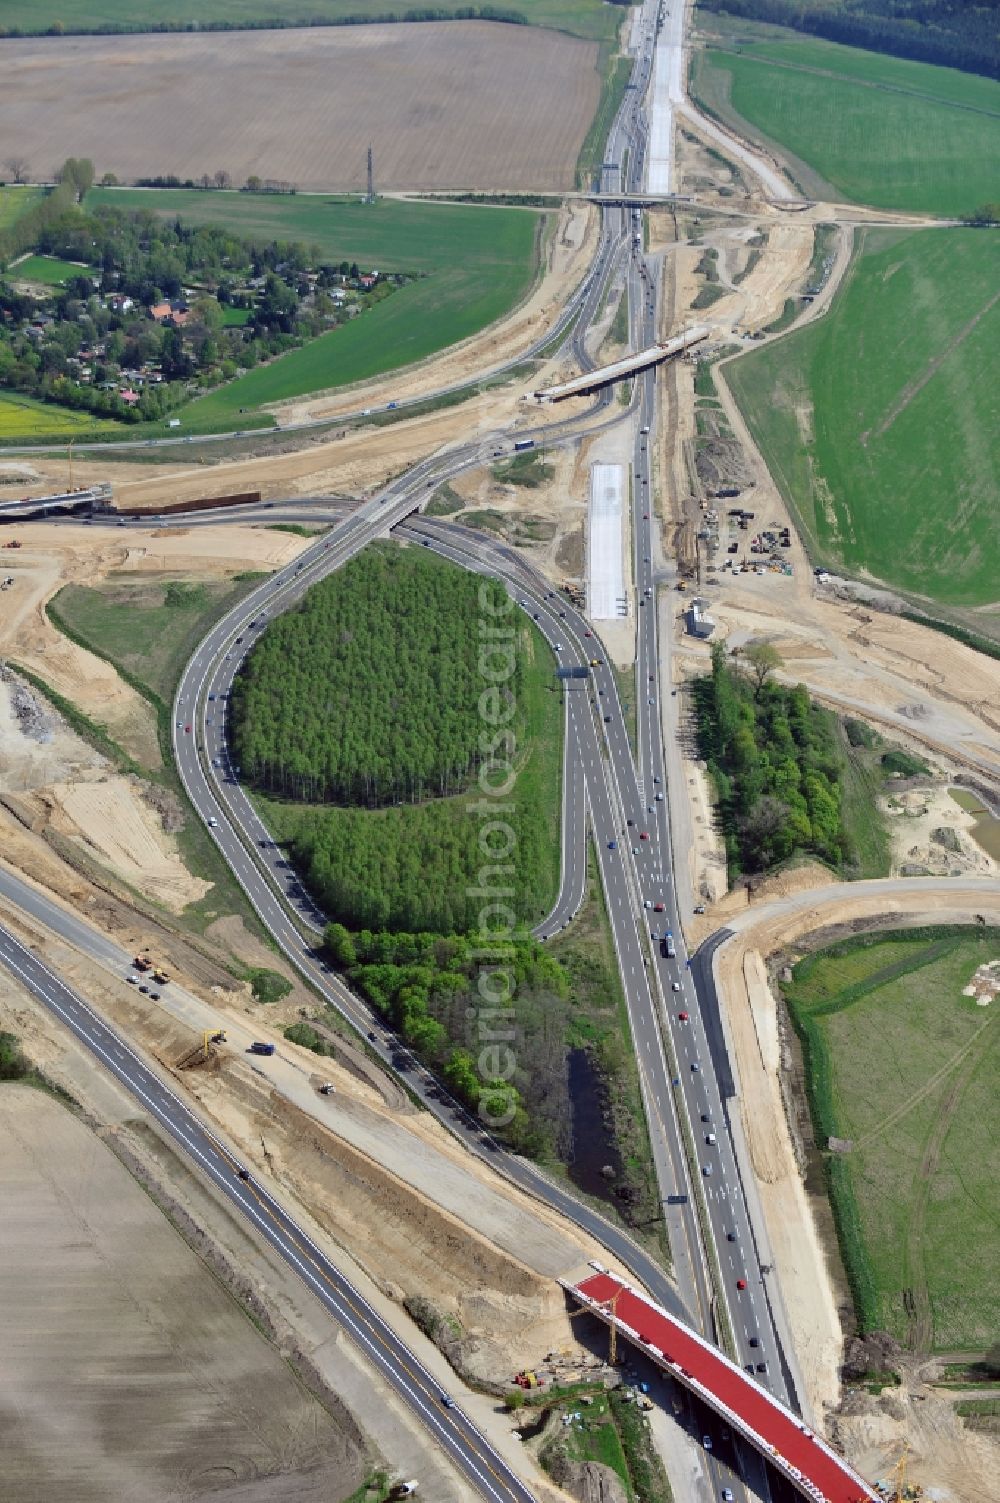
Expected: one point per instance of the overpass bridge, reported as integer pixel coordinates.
(812, 1466)
(82, 501)
(637, 200)
(620, 370)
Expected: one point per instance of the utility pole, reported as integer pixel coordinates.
(371, 177)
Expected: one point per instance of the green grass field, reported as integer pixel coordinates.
(392, 235)
(48, 270)
(879, 422)
(143, 625)
(14, 201)
(880, 130)
(474, 263)
(21, 417)
(906, 1068)
(582, 18)
(148, 628)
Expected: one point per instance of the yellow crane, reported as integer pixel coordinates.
(605, 1304)
(903, 1490)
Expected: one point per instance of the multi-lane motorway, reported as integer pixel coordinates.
(461, 1440)
(625, 798)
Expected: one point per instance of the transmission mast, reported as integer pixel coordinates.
(371, 177)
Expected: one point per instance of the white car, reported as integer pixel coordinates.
(675, 986)
(706, 1441)
(212, 821)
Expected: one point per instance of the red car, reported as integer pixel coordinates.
(187, 730)
(658, 908)
(741, 1283)
(682, 1017)
(588, 634)
(644, 835)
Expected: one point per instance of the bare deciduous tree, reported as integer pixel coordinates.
(18, 169)
(762, 659)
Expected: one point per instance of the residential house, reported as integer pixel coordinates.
(175, 312)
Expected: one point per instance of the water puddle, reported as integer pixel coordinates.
(593, 1150)
(986, 829)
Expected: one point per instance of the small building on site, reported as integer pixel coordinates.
(699, 623)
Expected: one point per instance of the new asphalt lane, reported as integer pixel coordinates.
(605, 776)
(462, 1441)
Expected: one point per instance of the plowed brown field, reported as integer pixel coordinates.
(464, 104)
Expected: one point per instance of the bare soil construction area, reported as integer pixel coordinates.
(469, 104)
(142, 1378)
(54, 555)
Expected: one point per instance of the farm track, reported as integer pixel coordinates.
(920, 1337)
(914, 388)
(926, 1089)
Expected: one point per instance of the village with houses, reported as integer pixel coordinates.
(129, 315)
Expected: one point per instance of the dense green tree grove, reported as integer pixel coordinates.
(427, 986)
(777, 768)
(414, 867)
(955, 33)
(368, 694)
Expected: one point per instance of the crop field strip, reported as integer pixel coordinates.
(21, 417)
(884, 410)
(903, 1071)
(872, 129)
(468, 105)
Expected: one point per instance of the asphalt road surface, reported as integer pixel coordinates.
(453, 1431)
(683, 1073)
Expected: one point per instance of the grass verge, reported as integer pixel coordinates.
(615, 76)
(111, 629)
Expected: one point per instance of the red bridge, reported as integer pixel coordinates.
(778, 1434)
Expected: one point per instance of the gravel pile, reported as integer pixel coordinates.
(34, 718)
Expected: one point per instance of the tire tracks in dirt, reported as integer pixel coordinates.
(917, 1295)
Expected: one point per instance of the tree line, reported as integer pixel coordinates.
(954, 33)
(275, 23)
(426, 986)
(368, 693)
(775, 763)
